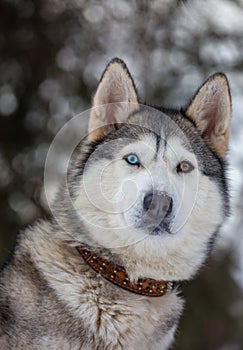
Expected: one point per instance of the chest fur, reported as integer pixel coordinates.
(116, 319)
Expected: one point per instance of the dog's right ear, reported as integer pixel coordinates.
(114, 100)
(210, 109)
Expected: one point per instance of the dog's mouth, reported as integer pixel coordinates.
(162, 228)
(157, 229)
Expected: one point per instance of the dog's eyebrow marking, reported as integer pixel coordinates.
(158, 139)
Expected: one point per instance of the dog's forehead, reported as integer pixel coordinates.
(148, 126)
(162, 126)
(150, 119)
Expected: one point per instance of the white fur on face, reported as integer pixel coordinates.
(111, 205)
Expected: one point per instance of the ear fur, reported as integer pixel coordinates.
(210, 109)
(115, 98)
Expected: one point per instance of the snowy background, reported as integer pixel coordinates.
(52, 53)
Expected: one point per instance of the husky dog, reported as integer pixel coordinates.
(146, 195)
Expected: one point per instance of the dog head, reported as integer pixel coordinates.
(151, 186)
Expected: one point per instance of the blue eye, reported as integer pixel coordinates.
(132, 159)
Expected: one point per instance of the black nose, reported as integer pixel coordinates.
(158, 204)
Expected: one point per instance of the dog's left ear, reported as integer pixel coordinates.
(114, 100)
(210, 109)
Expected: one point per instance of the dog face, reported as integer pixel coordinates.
(152, 189)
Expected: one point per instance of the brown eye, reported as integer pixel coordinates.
(184, 167)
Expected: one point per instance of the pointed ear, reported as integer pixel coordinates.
(210, 109)
(115, 99)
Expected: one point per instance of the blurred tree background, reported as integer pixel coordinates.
(52, 53)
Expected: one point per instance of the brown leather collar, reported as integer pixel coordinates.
(118, 276)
